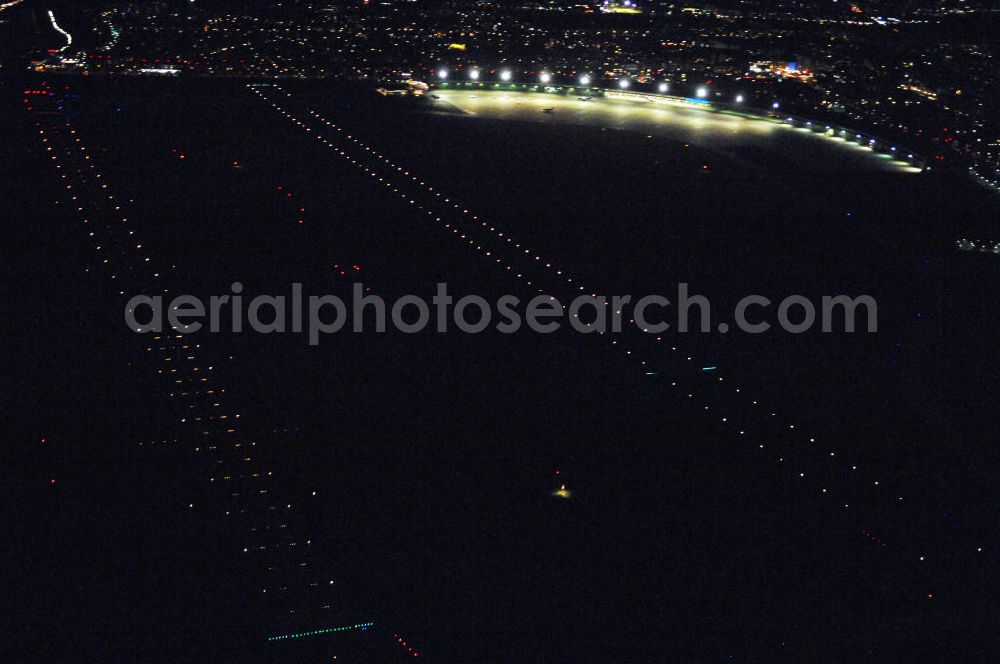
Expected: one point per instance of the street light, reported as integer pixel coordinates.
(474, 74)
(663, 87)
(739, 99)
(505, 75)
(775, 105)
(442, 73)
(584, 79)
(624, 83)
(701, 92)
(545, 77)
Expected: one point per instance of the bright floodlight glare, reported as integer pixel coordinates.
(702, 92)
(505, 75)
(474, 74)
(663, 87)
(442, 73)
(623, 83)
(739, 99)
(584, 80)
(545, 77)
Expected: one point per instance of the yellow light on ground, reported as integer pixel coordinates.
(656, 115)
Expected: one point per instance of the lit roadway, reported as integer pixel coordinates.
(686, 122)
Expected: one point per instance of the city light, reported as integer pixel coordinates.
(584, 79)
(474, 74)
(663, 87)
(701, 92)
(623, 83)
(442, 73)
(545, 77)
(505, 75)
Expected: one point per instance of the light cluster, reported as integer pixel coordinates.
(316, 632)
(245, 487)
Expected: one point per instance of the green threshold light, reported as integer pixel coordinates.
(317, 632)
